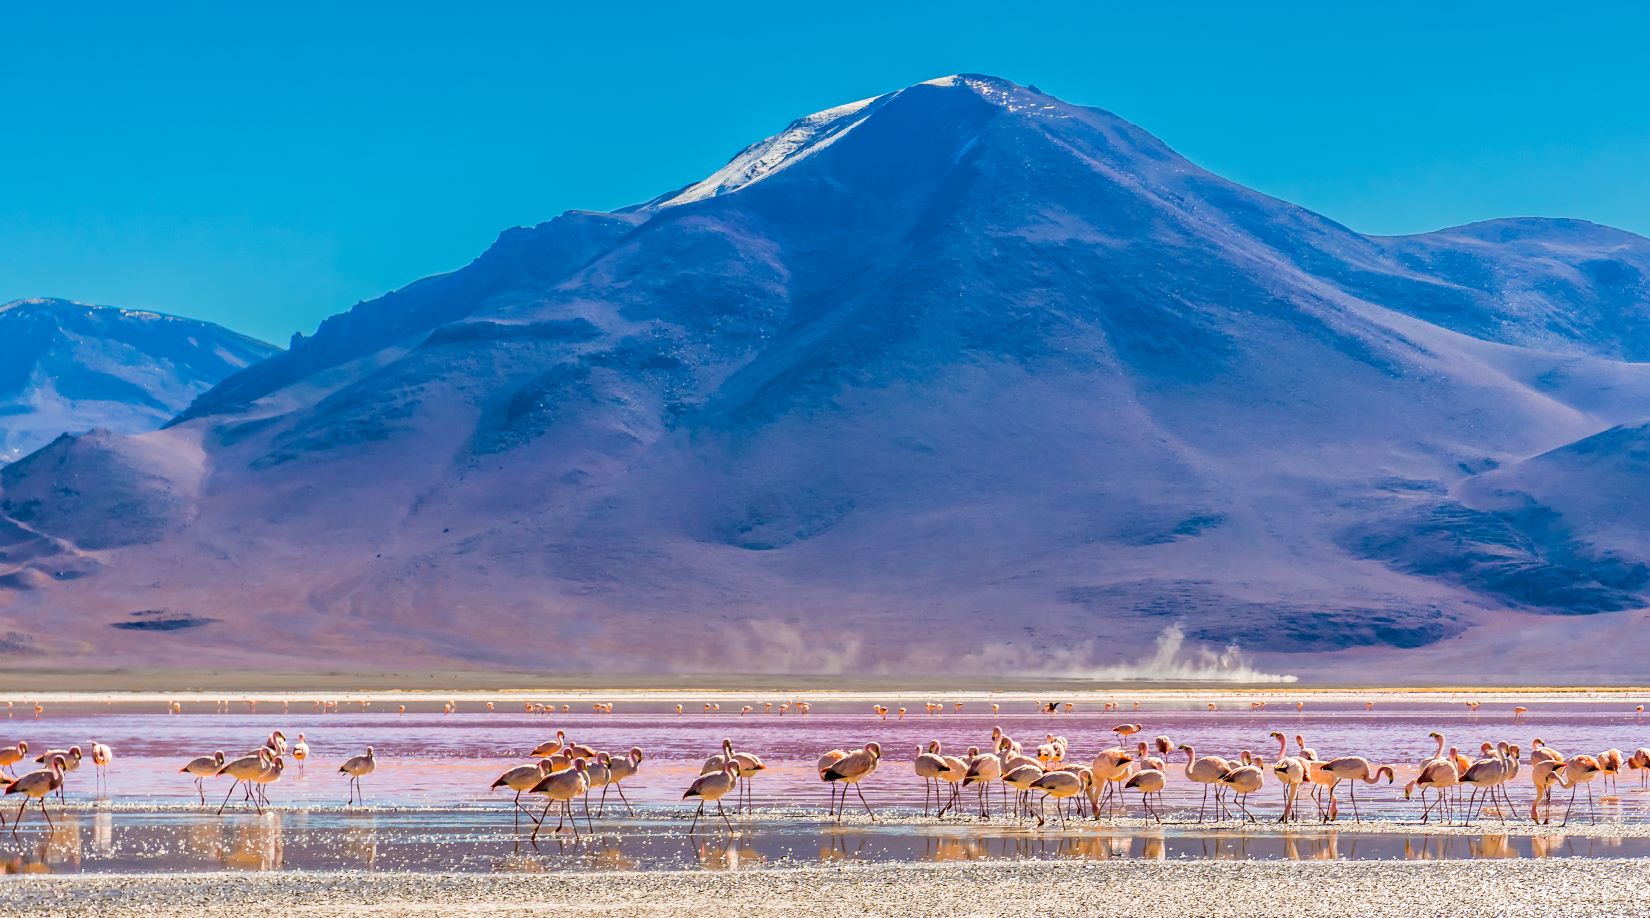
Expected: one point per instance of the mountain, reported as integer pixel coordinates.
(962, 378)
(68, 367)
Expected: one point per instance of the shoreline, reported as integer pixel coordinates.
(1252, 888)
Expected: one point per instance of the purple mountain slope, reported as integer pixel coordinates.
(960, 378)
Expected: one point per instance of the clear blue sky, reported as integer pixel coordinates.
(267, 165)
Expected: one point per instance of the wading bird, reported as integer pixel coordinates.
(243, 770)
(202, 768)
(521, 779)
(102, 755)
(358, 767)
(1206, 771)
(1350, 770)
(853, 768)
(11, 755)
(713, 787)
(563, 787)
(37, 786)
(1148, 782)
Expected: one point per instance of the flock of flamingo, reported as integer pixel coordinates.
(1461, 787)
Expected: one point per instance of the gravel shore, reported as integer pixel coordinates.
(1249, 888)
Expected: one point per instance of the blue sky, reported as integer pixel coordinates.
(267, 165)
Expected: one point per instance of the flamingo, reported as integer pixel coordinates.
(713, 787)
(1109, 768)
(102, 755)
(1123, 730)
(749, 767)
(1639, 761)
(521, 779)
(1061, 785)
(201, 768)
(1351, 769)
(243, 770)
(268, 775)
(596, 774)
(1437, 753)
(276, 743)
(956, 770)
(1148, 782)
(11, 755)
(851, 770)
(1578, 770)
(300, 752)
(37, 786)
(1022, 778)
(983, 769)
(71, 761)
(550, 746)
(1243, 781)
(1610, 763)
(1291, 774)
(1438, 775)
(618, 770)
(1540, 751)
(929, 765)
(358, 767)
(1487, 774)
(1544, 775)
(562, 787)
(826, 760)
(1206, 771)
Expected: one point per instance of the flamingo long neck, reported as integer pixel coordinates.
(1283, 746)
(1190, 755)
(1439, 752)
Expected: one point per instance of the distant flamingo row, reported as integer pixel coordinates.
(932, 708)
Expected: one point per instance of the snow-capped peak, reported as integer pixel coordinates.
(801, 139)
(807, 136)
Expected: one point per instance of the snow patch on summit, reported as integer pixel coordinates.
(803, 138)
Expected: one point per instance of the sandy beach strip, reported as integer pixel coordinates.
(1045, 888)
(297, 689)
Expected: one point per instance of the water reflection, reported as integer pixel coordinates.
(141, 841)
(726, 853)
(255, 845)
(358, 841)
(55, 849)
(103, 832)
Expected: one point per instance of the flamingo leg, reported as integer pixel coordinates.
(862, 801)
(539, 822)
(226, 798)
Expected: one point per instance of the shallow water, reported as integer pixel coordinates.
(429, 807)
(473, 841)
